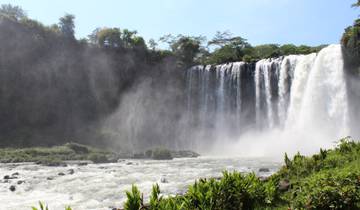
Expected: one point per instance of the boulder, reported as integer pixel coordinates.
(71, 171)
(82, 164)
(264, 170)
(12, 188)
(20, 182)
(163, 180)
(61, 174)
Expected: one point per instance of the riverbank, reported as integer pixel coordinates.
(58, 155)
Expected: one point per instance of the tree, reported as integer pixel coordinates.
(229, 48)
(139, 43)
(93, 37)
(222, 39)
(67, 26)
(108, 37)
(127, 37)
(185, 48)
(152, 44)
(288, 49)
(12, 12)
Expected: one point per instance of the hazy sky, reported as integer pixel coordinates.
(309, 22)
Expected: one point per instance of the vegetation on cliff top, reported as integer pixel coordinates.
(350, 42)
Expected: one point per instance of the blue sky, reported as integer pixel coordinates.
(311, 22)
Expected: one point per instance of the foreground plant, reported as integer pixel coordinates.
(42, 206)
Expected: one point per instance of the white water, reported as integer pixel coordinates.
(101, 186)
(300, 104)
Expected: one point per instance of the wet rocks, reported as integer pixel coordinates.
(20, 182)
(12, 188)
(264, 170)
(71, 171)
(61, 174)
(50, 178)
(82, 164)
(7, 177)
(164, 180)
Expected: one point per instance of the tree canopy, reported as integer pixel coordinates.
(12, 12)
(67, 25)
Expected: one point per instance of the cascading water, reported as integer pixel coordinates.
(293, 94)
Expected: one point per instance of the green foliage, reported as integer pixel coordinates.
(134, 199)
(109, 37)
(12, 12)
(98, 158)
(155, 198)
(78, 148)
(54, 156)
(186, 48)
(161, 154)
(335, 189)
(43, 207)
(350, 42)
(67, 26)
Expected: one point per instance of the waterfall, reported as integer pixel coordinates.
(286, 76)
(306, 93)
(325, 98)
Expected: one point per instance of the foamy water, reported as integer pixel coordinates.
(101, 186)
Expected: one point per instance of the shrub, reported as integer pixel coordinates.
(161, 154)
(133, 199)
(338, 189)
(78, 148)
(98, 158)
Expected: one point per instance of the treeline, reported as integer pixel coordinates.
(224, 47)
